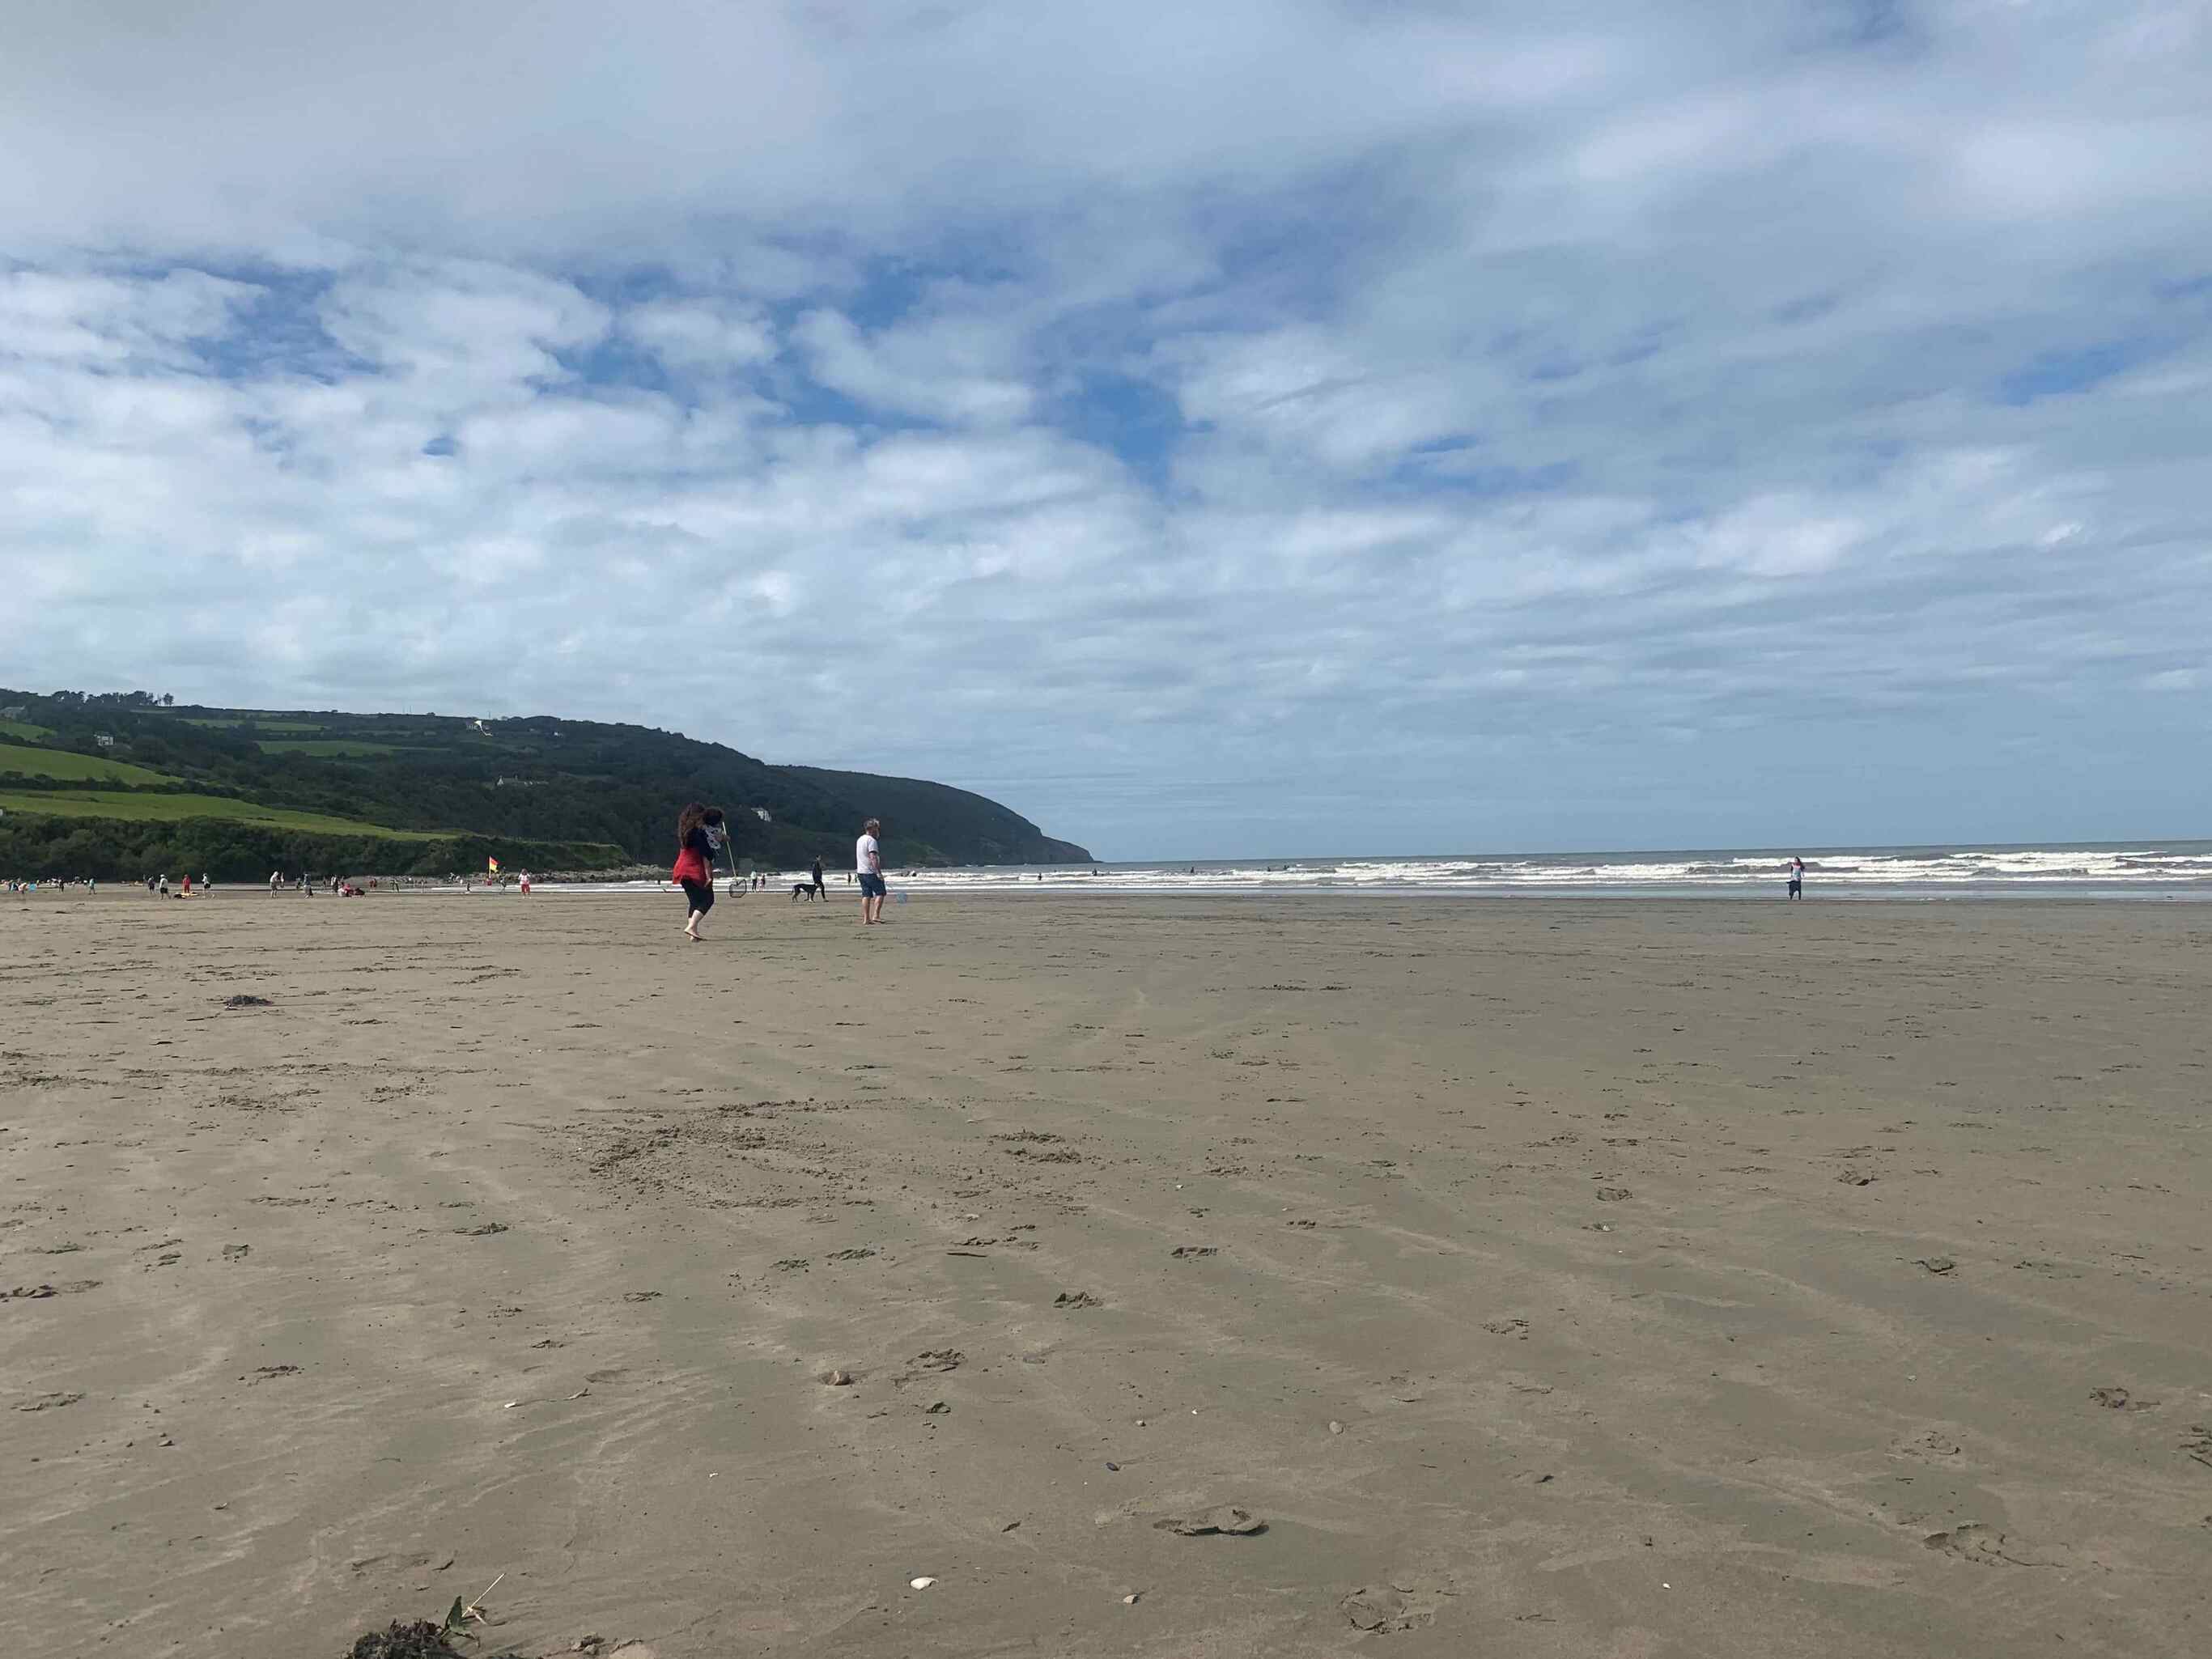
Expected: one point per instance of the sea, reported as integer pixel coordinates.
(2146, 870)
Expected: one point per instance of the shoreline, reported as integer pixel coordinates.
(1295, 896)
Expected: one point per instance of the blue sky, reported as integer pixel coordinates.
(1249, 429)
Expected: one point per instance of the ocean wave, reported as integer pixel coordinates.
(2172, 870)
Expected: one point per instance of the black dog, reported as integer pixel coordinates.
(806, 887)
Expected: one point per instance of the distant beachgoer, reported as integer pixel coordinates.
(695, 863)
(188, 884)
(163, 888)
(525, 882)
(868, 864)
(820, 890)
(1797, 877)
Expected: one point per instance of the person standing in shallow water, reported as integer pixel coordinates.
(1796, 877)
(694, 862)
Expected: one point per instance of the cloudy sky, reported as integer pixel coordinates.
(1266, 426)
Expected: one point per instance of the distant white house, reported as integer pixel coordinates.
(14, 711)
(761, 812)
(478, 726)
(104, 740)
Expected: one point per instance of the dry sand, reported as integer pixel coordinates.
(1552, 1277)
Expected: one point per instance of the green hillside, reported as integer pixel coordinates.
(60, 766)
(240, 792)
(174, 806)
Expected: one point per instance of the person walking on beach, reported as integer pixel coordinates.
(1797, 877)
(694, 862)
(868, 864)
(820, 891)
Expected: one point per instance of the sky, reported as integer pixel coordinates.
(1236, 429)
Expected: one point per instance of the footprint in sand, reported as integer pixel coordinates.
(2119, 1400)
(1185, 1252)
(1229, 1521)
(1382, 1610)
(1984, 1547)
(47, 1403)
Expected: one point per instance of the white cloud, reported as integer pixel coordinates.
(695, 335)
(77, 317)
(939, 369)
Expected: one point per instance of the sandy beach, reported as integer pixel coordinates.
(1545, 1278)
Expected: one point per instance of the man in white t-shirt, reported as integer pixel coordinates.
(868, 864)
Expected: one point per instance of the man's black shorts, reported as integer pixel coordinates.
(701, 894)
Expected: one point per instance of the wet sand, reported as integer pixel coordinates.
(1550, 1278)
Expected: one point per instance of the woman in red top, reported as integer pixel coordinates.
(697, 829)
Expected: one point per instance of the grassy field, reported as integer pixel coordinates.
(169, 808)
(19, 729)
(232, 722)
(326, 748)
(66, 767)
